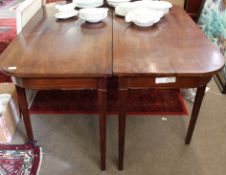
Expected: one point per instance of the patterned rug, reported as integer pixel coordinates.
(152, 101)
(20, 159)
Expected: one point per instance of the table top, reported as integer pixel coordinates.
(174, 46)
(70, 48)
(48, 47)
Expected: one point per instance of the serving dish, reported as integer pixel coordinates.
(123, 8)
(143, 17)
(66, 15)
(159, 5)
(89, 4)
(93, 15)
(66, 7)
(114, 3)
(93, 20)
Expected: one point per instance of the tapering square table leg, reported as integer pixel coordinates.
(102, 105)
(195, 112)
(122, 102)
(23, 108)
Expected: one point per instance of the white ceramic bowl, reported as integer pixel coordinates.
(93, 20)
(123, 8)
(159, 5)
(66, 15)
(89, 3)
(66, 7)
(93, 12)
(140, 4)
(143, 17)
(114, 3)
(93, 15)
(86, 2)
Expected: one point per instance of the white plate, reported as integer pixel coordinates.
(89, 1)
(93, 20)
(143, 16)
(120, 13)
(113, 3)
(123, 8)
(93, 12)
(143, 24)
(89, 5)
(66, 7)
(159, 5)
(66, 15)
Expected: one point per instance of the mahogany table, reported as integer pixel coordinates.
(61, 54)
(54, 54)
(174, 53)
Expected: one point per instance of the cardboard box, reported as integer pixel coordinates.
(10, 118)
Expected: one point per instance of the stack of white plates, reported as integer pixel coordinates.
(89, 3)
(144, 17)
(66, 11)
(114, 3)
(93, 15)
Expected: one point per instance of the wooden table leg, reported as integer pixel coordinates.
(23, 106)
(102, 105)
(122, 100)
(195, 112)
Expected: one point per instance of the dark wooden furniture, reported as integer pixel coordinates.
(172, 54)
(193, 8)
(61, 54)
(221, 82)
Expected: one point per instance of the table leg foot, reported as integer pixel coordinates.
(195, 111)
(23, 106)
(102, 104)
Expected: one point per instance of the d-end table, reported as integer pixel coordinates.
(173, 53)
(61, 54)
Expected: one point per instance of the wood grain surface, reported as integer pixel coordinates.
(174, 46)
(49, 47)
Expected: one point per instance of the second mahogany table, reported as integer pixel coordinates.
(61, 54)
(174, 53)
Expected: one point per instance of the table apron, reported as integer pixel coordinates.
(137, 82)
(59, 83)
